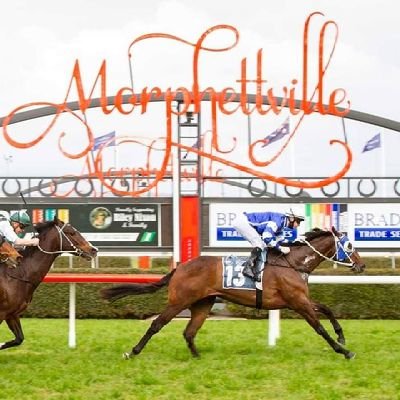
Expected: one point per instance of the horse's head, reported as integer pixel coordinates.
(345, 251)
(332, 246)
(66, 238)
(8, 255)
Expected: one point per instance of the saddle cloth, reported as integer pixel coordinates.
(232, 277)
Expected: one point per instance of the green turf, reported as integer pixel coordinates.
(236, 362)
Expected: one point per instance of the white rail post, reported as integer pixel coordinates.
(393, 261)
(274, 331)
(72, 314)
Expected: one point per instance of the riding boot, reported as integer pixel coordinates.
(250, 266)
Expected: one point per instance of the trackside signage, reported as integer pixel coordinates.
(123, 226)
(367, 225)
(375, 225)
(222, 216)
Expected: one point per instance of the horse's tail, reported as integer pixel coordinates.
(117, 292)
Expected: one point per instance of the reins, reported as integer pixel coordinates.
(62, 234)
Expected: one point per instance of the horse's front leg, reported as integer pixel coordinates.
(307, 311)
(323, 309)
(15, 327)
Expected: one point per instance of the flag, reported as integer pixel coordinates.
(104, 141)
(373, 143)
(277, 134)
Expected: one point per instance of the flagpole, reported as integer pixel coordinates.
(249, 128)
(292, 155)
(383, 165)
(115, 158)
(344, 131)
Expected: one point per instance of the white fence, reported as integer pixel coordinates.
(274, 315)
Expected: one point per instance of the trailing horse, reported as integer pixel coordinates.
(9, 256)
(196, 284)
(17, 285)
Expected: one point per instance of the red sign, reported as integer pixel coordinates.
(190, 246)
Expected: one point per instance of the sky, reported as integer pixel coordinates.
(42, 39)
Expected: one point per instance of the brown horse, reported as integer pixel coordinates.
(18, 284)
(196, 284)
(8, 255)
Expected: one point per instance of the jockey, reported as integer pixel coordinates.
(264, 230)
(12, 227)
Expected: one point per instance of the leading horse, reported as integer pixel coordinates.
(17, 285)
(196, 284)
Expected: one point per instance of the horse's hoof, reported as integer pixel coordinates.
(350, 355)
(126, 356)
(342, 341)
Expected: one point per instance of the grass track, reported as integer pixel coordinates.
(236, 362)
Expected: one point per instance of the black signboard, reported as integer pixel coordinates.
(104, 225)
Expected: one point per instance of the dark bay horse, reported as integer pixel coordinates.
(9, 256)
(17, 285)
(196, 284)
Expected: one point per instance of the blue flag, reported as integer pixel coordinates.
(104, 141)
(373, 143)
(277, 134)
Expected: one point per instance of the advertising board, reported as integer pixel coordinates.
(367, 225)
(105, 225)
(222, 234)
(375, 225)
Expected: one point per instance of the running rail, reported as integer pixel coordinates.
(274, 315)
(102, 278)
(73, 279)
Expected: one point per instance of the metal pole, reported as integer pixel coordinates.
(176, 195)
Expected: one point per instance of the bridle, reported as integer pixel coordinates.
(4, 258)
(339, 246)
(62, 234)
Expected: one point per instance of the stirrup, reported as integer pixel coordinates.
(257, 277)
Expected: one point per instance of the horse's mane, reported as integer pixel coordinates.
(311, 235)
(316, 233)
(41, 226)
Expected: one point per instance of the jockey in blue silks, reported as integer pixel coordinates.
(264, 230)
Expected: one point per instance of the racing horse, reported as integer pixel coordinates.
(9, 256)
(17, 285)
(195, 285)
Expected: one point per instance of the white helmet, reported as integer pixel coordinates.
(292, 216)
